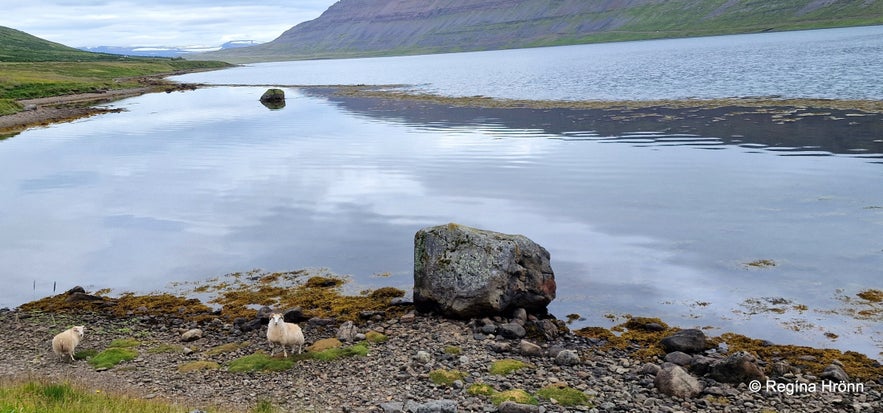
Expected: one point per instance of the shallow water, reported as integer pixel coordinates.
(642, 215)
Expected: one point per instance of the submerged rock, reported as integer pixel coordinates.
(273, 98)
(464, 272)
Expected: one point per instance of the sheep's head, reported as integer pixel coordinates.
(79, 330)
(276, 318)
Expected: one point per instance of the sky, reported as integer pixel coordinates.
(178, 23)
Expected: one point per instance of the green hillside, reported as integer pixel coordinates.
(18, 46)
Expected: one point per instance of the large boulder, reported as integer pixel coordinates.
(464, 272)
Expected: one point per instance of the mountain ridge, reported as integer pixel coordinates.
(361, 28)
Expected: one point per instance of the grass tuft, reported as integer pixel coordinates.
(565, 396)
(112, 356)
(515, 395)
(332, 354)
(507, 366)
(442, 377)
(259, 362)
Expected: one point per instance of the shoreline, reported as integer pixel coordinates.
(613, 372)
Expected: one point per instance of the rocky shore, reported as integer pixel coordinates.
(399, 372)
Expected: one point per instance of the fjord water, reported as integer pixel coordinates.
(643, 218)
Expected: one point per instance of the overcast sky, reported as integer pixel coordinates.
(90, 23)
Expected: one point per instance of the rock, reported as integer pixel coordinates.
(294, 315)
(512, 331)
(191, 335)
(834, 372)
(520, 314)
(548, 329)
(567, 358)
(529, 349)
(512, 407)
(674, 381)
(740, 367)
(464, 272)
(438, 406)
(347, 332)
(688, 341)
(650, 369)
(423, 357)
(393, 407)
(679, 357)
(273, 99)
(701, 365)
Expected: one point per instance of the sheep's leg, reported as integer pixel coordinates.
(72, 356)
(284, 351)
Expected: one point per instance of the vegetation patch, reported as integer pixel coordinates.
(375, 337)
(224, 348)
(812, 360)
(872, 295)
(453, 350)
(443, 377)
(85, 354)
(481, 389)
(507, 366)
(199, 365)
(331, 354)
(124, 343)
(53, 397)
(259, 362)
(324, 344)
(317, 292)
(563, 395)
(112, 356)
(515, 395)
(764, 263)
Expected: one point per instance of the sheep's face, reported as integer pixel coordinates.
(79, 330)
(275, 318)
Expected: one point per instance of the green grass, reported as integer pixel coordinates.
(565, 396)
(481, 389)
(331, 354)
(375, 337)
(515, 395)
(444, 377)
(9, 106)
(259, 362)
(112, 356)
(50, 397)
(507, 366)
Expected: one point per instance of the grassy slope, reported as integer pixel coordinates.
(668, 19)
(31, 67)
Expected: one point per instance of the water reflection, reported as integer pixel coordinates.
(189, 186)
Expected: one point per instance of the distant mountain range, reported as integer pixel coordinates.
(356, 28)
(18, 46)
(164, 51)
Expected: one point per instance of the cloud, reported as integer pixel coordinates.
(92, 23)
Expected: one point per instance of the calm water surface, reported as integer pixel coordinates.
(646, 218)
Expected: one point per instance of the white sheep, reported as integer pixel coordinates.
(284, 334)
(65, 342)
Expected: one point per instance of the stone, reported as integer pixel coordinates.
(512, 407)
(679, 357)
(834, 372)
(548, 328)
(740, 367)
(294, 315)
(191, 335)
(689, 341)
(512, 331)
(529, 349)
(464, 272)
(347, 332)
(567, 358)
(437, 406)
(423, 357)
(273, 99)
(674, 381)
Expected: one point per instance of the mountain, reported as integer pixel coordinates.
(18, 46)
(355, 28)
(166, 51)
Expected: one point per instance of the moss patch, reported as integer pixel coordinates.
(166, 348)
(324, 344)
(563, 395)
(515, 395)
(444, 377)
(112, 356)
(259, 362)
(199, 365)
(507, 366)
(224, 348)
(453, 350)
(481, 389)
(375, 337)
(331, 354)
